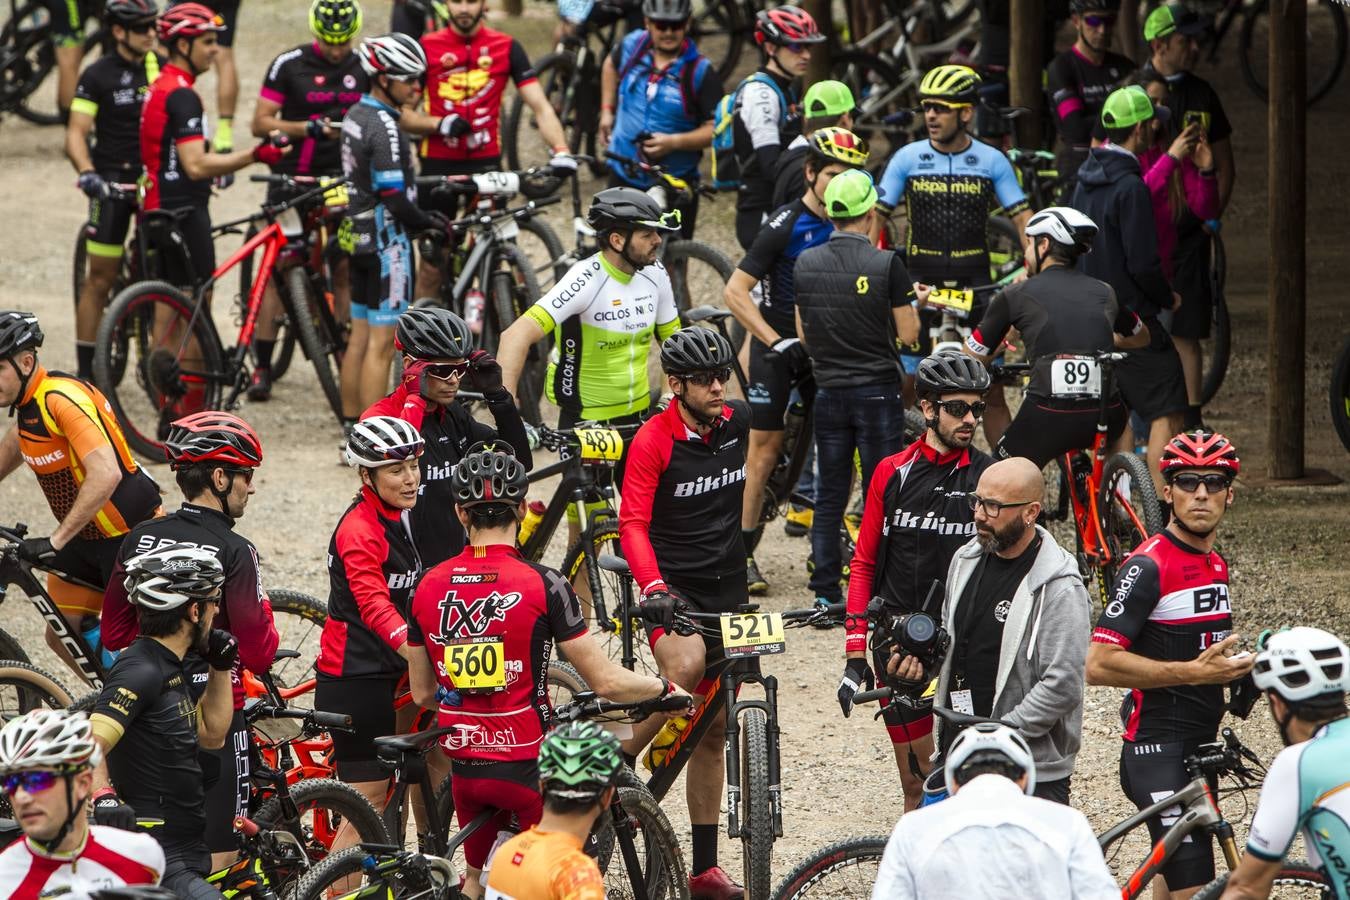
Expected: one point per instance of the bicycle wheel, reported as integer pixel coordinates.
(1324, 43)
(1340, 395)
(564, 683)
(1215, 352)
(576, 104)
(344, 874)
(29, 57)
(11, 648)
(840, 871)
(720, 28)
(661, 872)
(882, 97)
(158, 333)
(606, 592)
(324, 804)
(23, 688)
(698, 272)
(1129, 509)
(1005, 247)
(299, 621)
(319, 346)
(544, 249)
(1295, 879)
(514, 289)
(756, 811)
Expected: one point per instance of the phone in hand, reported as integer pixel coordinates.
(1193, 117)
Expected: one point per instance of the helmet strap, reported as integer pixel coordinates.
(704, 421)
(623, 251)
(23, 383)
(223, 496)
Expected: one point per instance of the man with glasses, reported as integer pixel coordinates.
(1167, 636)
(213, 456)
(917, 515)
(658, 95)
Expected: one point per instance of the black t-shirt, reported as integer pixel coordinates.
(980, 617)
(790, 183)
(307, 86)
(112, 90)
(790, 231)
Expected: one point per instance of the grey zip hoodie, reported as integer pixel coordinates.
(1039, 686)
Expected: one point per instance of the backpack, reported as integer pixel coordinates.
(691, 76)
(726, 164)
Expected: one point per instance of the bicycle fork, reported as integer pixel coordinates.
(733, 748)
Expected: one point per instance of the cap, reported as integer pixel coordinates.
(1173, 18)
(827, 98)
(850, 194)
(1128, 106)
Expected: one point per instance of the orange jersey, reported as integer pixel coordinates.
(544, 865)
(61, 421)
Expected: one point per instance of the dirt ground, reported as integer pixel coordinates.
(1286, 545)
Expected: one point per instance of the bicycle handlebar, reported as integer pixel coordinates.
(16, 536)
(586, 705)
(271, 212)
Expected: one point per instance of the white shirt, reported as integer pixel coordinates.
(990, 840)
(110, 857)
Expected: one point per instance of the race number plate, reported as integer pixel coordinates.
(290, 223)
(956, 301)
(600, 446)
(1073, 377)
(477, 664)
(495, 183)
(752, 634)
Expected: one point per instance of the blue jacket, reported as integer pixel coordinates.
(670, 106)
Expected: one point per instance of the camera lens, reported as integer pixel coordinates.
(919, 630)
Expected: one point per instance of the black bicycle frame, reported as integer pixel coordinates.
(578, 486)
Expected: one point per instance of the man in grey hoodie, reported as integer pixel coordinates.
(1018, 615)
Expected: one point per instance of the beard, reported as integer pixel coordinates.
(996, 540)
(201, 636)
(949, 438)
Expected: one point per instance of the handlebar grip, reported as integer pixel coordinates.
(267, 179)
(331, 720)
(546, 201)
(871, 696)
(246, 826)
(667, 703)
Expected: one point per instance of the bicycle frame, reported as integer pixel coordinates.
(577, 488)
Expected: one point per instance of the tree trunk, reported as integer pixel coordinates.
(1026, 40)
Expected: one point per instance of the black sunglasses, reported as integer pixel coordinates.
(957, 409)
(1190, 482)
(140, 27)
(446, 371)
(705, 379)
(992, 508)
(670, 26)
(246, 474)
(1093, 21)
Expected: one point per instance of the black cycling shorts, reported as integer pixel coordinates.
(769, 388)
(370, 703)
(449, 204)
(67, 23)
(1150, 380)
(193, 224)
(227, 10)
(109, 222)
(185, 871)
(1191, 279)
(227, 786)
(1045, 429)
(1148, 773)
(706, 594)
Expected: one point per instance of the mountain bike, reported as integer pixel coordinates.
(1339, 394)
(28, 56)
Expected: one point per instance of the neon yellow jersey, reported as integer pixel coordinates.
(605, 320)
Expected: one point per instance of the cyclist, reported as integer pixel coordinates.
(1078, 81)
(766, 113)
(69, 437)
(470, 66)
(778, 361)
(377, 158)
(678, 527)
(1065, 319)
(826, 104)
(916, 517)
(214, 456)
(992, 838)
(579, 766)
(1165, 636)
(227, 76)
(438, 358)
(414, 17)
(1304, 673)
(103, 144)
(66, 20)
(305, 95)
(148, 720)
(489, 620)
(61, 853)
(372, 569)
(950, 184)
(666, 93)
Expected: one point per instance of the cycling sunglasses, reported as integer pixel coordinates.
(419, 80)
(668, 222)
(1190, 482)
(446, 371)
(957, 409)
(141, 27)
(705, 379)
(940, 107)
(32, 782)
(669, 26)
(1095, 21)
(244, 473)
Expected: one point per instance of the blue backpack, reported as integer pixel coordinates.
(726, 164)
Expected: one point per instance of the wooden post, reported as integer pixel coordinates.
(819, 69)
(513, 7)
(1025, 41)
(1287, 205)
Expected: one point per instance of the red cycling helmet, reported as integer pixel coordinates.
(211, 436)
(784, 25)
(1199, 449)
(189, 20)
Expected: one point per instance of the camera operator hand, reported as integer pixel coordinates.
(857, 673)
(906, 668)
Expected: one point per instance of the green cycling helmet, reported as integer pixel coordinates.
(335, 21)
(827, 98)
(579, 761)
(850, 194)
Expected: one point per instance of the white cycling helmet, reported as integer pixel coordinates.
(1303, 663)
(396, 55)
(48, 739)
(382, 441)
(1063, 225)
(170, 576)
(988, 737)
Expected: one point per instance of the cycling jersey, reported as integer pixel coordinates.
(948, 198)
(448, 431)
(489, 619)
(605, 320)
(682, 497)
(467, 75)
(790, 182)
(244, 610)
(307, 86)
(790, 230)
(377, 160)
(1170, 602)
(762, 122)
(111, 91)
(544, 865)
(372, 570)
(1305, 791)
(61, 421)
(172, 116)
(110, 857)
(1077, 87)
(915, 518)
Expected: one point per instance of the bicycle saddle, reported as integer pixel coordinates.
(417, 743)
(611, 563)
(706, 314)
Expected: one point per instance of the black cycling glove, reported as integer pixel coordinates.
(111, 811)
(857, 674)
(38, 551)
(222, 649)
(659, 608)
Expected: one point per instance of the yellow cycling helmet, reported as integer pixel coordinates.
(951, 84)
(838, 145)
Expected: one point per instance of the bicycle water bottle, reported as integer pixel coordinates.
(474, 301)
(663, 742)
(534, 514)
(792, 424)
(91, 629)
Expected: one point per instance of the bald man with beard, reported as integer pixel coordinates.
(1018, 614)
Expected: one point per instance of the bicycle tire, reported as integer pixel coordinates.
(1339, 394)
(320, 351)
(338, 803)
(879, 91)
(34, 71)
(691, 291)
(604, 538)
(661, 862)
(10, 648)
(556, 266)
(1120, 525)
(844, 869)
(1291, 874)
(564, 682)
(719, 28)
(757, 834)
(580, 122)
(514, 290)
(341, 866)
(1255, 34)
(25, 687)
(141, 408)
(299, 620)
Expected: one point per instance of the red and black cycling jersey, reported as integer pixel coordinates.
(373, 569)
(1170, 603)
(244, 611)
(449, 431)
(112, 90)
(1077, 87)
(307, 86)
(493, 596)
(916, 517)
(172, 116)
(467, 75)
(682, 494)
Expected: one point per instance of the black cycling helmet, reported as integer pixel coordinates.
(433, 333)
(18, 331)
(487, 476)
(668, 10)
(950, 372)
(130, 12)
(1106, 6)
(695, 349)
(623, 208)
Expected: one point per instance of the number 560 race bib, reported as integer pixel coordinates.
(476, 664)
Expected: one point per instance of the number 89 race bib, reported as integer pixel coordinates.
(1075, 378)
